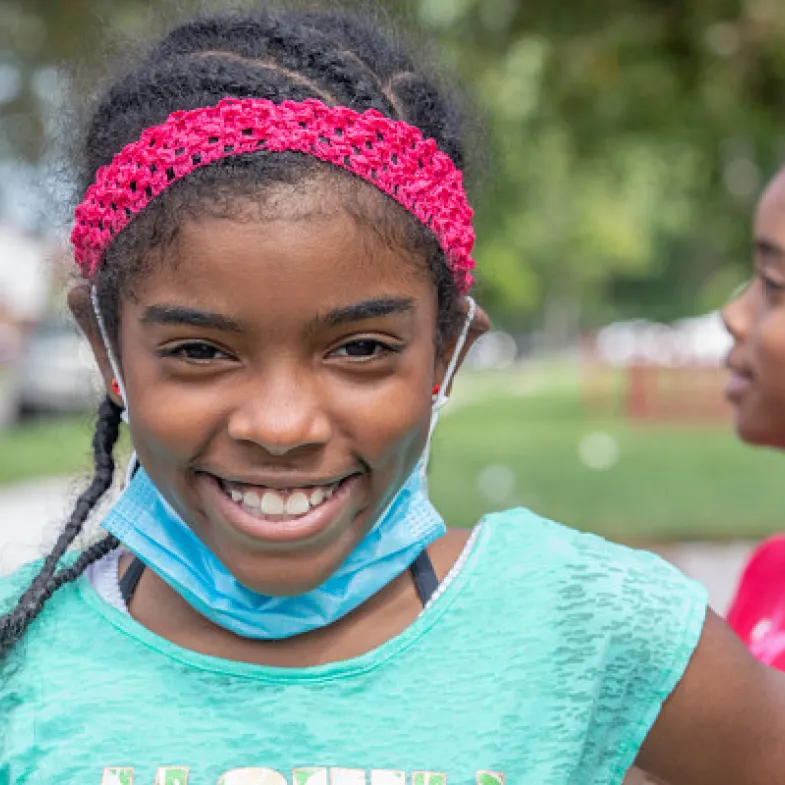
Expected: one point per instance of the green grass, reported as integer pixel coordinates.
(45, 448)
(669, 483)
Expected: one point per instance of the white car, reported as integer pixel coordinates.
(57, 373)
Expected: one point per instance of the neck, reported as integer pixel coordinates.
(385, 615)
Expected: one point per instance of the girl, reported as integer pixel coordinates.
(756, 320)
(274, 242)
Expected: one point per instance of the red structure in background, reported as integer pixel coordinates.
(645, 392)
(657, 393)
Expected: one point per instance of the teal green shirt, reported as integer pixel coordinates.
(545, 661)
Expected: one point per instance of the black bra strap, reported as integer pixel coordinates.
(130, 580)
(425, 579)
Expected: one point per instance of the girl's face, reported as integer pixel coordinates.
(279, 374)
(756, 320)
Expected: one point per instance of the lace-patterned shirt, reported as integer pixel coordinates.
(544, 660)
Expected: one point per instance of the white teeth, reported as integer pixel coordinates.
(251, 499)
(317, 497)
(272, 503)
(297, 504)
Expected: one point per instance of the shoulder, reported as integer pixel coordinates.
(54, 633)
(13, 585)
(566, 570)
(519, 534)
(615, 627)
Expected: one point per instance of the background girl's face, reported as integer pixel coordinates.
(279, 373)
(756, 320)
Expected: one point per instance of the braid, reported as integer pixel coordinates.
(334, 57)
(426, 108)
(283, 41)
(48, 580)
(415, 99)
(147, 97)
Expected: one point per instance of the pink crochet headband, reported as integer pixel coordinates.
(389, 154)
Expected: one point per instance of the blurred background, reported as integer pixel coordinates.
(628, 144)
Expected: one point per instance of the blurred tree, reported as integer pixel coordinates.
(36, 36)
(630, 139)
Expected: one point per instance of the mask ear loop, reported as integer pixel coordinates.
(108, 348)
(739, 291)
(133, 464)
(441, 397)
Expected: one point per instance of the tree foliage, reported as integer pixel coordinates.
(632, 139)
(629, 138)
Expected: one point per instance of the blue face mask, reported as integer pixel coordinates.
(145, 523)
(150, 528)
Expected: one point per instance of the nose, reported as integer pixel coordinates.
(737, 314)
(281, 416)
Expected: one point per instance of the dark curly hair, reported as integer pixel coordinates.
(336, 57)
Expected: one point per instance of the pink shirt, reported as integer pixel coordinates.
(757, 613)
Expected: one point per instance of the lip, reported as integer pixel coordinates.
(737, 385)
(283, 483)
(306, 527)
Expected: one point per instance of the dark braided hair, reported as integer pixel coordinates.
(49, 579)
(334, 57)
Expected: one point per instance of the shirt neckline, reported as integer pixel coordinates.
(450, 588)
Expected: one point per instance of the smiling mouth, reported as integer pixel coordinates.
(279, 504)
(739, 382)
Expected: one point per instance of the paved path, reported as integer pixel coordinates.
(31, 514)
(717, 566)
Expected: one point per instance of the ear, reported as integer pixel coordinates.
(81, 306)
(479, 326)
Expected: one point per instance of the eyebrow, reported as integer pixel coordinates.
(368, 309)
(192, 317)
(769, 249)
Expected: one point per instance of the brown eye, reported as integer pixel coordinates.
(361, 348)
(364, 349)
(772, 287)
(197, 352)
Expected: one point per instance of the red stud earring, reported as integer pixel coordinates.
(115, 387)
(436, 390)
